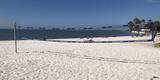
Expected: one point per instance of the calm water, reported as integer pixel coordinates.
(7, 34)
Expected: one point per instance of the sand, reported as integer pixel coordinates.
(44, 60)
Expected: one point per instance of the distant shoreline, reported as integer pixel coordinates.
(7, 34)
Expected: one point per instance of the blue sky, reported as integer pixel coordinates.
(76, 12)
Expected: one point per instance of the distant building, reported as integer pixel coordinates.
(29, 28)
(105, 27)
(56, 29)
(88, 28)
(70, 29)
(42, 28)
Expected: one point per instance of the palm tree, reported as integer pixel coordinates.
(131, 27)
(137, 23)
(157, 25)
(150, 24)
(143, 21)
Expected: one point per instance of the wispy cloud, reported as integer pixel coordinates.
(152, 1)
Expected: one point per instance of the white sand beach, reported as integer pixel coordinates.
(105, 38)
(44, 60)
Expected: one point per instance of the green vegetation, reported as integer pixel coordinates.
(138, 25)
(157, 24)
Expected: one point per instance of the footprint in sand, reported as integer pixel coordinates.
(155, 78)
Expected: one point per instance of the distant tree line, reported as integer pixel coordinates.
(141, 24)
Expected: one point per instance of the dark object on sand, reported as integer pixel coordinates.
(89, 41)
(154, 77)
(43, 38)
(157, 45)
